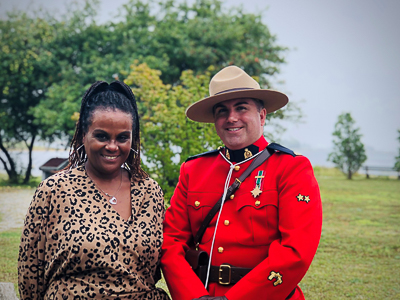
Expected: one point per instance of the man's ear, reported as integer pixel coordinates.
(263, 116)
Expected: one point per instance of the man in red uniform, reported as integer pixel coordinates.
(264, 237)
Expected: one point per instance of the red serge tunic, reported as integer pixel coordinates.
(276, 233)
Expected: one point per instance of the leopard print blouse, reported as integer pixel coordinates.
(74, 245)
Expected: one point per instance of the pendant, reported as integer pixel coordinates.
(113, 200)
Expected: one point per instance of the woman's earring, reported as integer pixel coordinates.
(134, 150)
(81, 157)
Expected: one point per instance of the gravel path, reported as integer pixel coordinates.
(14, 204)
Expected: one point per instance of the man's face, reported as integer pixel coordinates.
(238, 122)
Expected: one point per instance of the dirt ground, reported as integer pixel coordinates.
(14, 204)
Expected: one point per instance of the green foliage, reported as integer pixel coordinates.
(167, 36)
(48, 63)
(199, 35)
(26, 65)
(397, 163)
(348, 153)
(168, 137)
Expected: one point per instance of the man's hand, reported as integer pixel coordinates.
(211, 298)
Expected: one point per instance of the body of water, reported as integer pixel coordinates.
(318, 157)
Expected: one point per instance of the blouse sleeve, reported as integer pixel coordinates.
(31, 262)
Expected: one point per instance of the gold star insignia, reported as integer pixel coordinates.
(256, 192)
(300, 197)
(277, 276)
(307, 198)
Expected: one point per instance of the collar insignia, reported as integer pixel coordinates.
(247, 153)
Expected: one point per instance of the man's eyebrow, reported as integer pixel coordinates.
(218, 105)
(236, 104)
(241, 103)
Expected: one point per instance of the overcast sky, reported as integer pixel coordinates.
(344, 57)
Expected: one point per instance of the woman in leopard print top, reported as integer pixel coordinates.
(94, 230)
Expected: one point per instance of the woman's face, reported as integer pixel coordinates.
(108, 141)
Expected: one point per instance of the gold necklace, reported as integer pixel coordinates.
(113, 199)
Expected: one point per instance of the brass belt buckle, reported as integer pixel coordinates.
(238, 182)
(221, 269)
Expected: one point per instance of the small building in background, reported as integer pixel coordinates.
(52, 166)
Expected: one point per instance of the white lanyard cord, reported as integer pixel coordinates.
(228, 179)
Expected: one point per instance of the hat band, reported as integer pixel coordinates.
(232, 90)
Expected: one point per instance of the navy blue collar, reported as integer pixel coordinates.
(240, 155)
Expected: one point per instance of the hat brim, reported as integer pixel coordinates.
(202, 110)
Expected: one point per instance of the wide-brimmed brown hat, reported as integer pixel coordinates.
(233, 83)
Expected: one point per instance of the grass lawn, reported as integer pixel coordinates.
(9, 242)
(359, 252)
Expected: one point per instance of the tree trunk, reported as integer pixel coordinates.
(29, 167)
(349, 174)
(11, 171)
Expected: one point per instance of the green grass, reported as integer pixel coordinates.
(359, 252)
(5, 184)
(9, 242)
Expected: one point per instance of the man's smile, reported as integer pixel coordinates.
(234, 129)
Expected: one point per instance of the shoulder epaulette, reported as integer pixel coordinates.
(202, 154)
(280, 148)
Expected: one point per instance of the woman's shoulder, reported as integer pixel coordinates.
(64, 176)
(148, 183)
(143, 181)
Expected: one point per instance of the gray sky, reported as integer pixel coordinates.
(345, 57)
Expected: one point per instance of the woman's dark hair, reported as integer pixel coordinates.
(116, 95)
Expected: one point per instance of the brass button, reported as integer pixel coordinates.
(226, 222)
(197, 203)
(237, 168)
(232, 196)
(257, 203)
(220, 249)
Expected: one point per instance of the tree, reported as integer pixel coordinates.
(178, 36)
(168, 137)
(31, 63)
(72, 52)
(167, 36)
(26, 68)
(348, 153)
(397, 162)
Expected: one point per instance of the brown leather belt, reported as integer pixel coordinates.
(226, 275)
